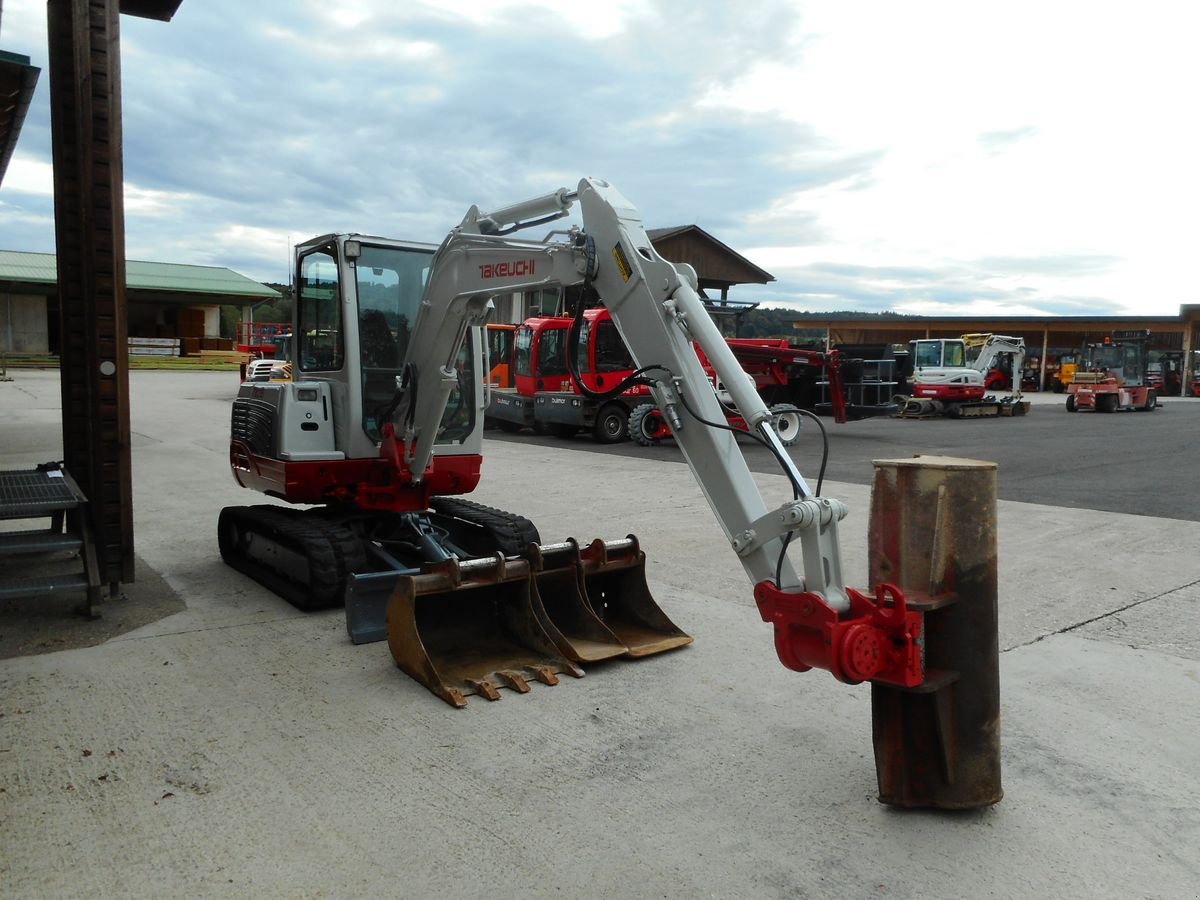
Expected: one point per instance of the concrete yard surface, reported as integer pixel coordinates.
(240, 748)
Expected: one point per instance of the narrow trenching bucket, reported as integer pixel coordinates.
(470, 628)
(614, 582)
(562, 606)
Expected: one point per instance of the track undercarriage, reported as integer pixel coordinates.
(467, 597)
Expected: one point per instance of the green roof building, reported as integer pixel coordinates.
(164, 300)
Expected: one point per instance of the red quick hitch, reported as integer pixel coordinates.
(872, 641)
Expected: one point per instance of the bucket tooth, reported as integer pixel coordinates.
(514, 680)
(484, 689)
(614, 582)
(467, 627)
(544, 674)
(562, 606)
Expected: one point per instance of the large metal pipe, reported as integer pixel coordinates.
(933, 533)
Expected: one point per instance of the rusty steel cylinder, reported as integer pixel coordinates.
(933, 533)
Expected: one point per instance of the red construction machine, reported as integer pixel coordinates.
(368, 450)
(1113, 375)
(946, 381)
(546, 397)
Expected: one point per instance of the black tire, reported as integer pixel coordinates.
(788, 422)
(646, 425)
(1151, 401)
(1106, 403)
(1057, 386)
(612, 424)
(1071, 407)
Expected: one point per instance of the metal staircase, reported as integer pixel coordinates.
(46, 493)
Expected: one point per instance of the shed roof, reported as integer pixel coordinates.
(150, 277)
(713, 261)
(17, 81)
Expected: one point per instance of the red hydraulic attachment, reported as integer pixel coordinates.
(870, 642)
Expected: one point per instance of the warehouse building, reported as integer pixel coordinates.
(166, 302)
(1174, 340)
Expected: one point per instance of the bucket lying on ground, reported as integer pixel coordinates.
(475, 626)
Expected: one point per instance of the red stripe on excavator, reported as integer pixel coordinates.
(367, 483)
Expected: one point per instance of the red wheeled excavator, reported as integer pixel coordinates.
(372, 445)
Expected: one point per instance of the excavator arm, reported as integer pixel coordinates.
(655, 305)
(995, 346)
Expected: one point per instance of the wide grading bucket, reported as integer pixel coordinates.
(562, 607)
(614, 582)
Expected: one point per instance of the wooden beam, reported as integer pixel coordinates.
(85, 116)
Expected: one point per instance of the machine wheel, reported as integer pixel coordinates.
(646, 425)
(612, 424)
(788, 421)
(494, 529)
(1106, 403)
(1151, 401)
(1071, 407)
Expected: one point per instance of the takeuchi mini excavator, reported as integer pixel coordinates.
(952, 377)
(372, 445)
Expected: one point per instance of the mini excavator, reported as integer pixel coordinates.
(379, 434)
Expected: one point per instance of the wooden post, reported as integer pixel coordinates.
(85, 117)
(933, 533)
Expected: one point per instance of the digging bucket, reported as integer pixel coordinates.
(562, 606)
(614, 582)
(470, 628)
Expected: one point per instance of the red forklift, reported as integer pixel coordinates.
(1113, 375)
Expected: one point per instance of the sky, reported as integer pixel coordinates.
(934, 158)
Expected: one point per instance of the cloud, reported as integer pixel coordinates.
(908, 162)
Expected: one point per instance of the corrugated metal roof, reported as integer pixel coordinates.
(41, 268)
(17, 82)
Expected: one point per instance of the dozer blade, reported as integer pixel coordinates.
(470, 628)
(614, 581)
(367, 598)
(562, 606)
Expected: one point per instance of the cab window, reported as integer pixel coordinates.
(611, 353)
(320, 313)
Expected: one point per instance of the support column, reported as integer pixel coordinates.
(1042, 367)
(933, 533)
(85, 111)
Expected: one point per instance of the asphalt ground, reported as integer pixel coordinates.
(236, 747)
(1130, 462)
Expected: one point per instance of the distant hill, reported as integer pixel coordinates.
(766, 323)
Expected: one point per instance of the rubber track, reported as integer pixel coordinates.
(325, 545)
(509, 533)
